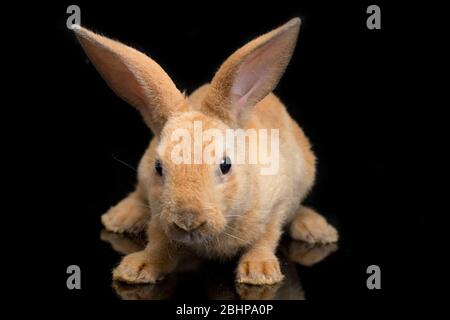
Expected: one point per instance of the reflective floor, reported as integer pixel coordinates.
(215, 280)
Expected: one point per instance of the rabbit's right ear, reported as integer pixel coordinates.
(134, 77)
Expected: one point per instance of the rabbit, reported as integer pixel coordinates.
(220, 210)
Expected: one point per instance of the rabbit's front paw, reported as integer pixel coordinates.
(137, 268)
(311, 227)
(259, 271)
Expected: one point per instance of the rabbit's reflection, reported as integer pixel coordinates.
(216, 280)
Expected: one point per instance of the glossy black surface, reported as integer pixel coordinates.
(197, 278)
(341, 87)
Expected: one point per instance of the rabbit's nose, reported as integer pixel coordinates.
(188, 226)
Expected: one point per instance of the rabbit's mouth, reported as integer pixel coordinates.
(189, 237)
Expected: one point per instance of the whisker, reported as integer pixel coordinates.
(232, 229)
(233, 236)
(217, 240)
(124, 163)
(168, 253)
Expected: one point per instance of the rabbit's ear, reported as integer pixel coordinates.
(134, 77)
(251, 73)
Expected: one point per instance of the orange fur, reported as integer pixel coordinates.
(192, 207)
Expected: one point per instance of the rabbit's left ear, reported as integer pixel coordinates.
(250, 74)
(134, 77)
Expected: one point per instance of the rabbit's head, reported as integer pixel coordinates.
(194, 197)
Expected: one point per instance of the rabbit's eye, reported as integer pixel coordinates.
(158, 167)
(225, 165)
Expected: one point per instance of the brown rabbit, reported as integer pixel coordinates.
(222, 209)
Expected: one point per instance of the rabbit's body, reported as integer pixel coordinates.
(222, 208)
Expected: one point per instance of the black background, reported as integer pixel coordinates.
(343, 87)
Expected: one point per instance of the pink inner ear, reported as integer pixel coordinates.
(251, 76)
